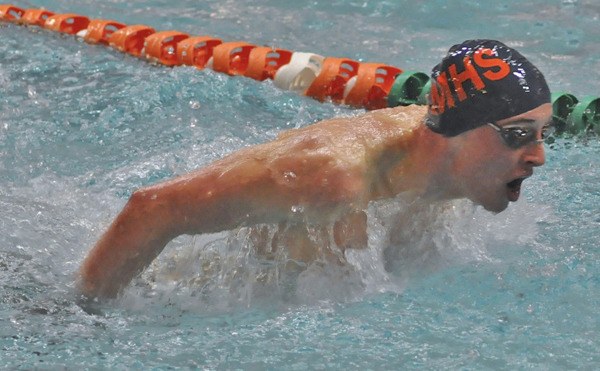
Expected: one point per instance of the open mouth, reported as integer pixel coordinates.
(514, 189)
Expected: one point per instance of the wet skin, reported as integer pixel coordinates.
(325, 175)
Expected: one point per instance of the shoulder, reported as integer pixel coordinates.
(402, 117)
(375, 124)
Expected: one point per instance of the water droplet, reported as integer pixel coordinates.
(503, 319)
(289, 176)
(31, 93)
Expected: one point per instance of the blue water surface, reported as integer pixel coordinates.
(82, 126)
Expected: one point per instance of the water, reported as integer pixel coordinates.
(82, 126)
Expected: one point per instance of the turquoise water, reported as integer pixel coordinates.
(82, 126)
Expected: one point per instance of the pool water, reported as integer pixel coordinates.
(83, 126)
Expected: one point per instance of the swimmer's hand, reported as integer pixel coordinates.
(130, 244)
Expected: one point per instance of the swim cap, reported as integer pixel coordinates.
(481, 81)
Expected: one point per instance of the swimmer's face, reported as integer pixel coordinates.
(492, 170)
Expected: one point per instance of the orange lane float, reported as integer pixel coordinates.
(67, 23)
(341, 80)
(330, 83)
(161, 47)
(232, 57)
(11, 13)
(264, 62)
(196, 51)
(35, 17)
(371, 85)
(130, 39)
(100, 30)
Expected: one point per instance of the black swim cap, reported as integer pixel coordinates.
(481, 81)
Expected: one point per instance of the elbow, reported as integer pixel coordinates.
(141, 198)
(145, 205)
(155, 210)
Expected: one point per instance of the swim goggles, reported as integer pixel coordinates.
(519, 136)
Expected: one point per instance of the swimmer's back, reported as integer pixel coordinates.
(340, 160)
(358, 141)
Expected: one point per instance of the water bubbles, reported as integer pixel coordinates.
(503, 319)
(70, 80)
(570, 2)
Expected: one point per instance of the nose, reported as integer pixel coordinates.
(534, 154)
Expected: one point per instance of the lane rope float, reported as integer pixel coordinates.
(339, 80)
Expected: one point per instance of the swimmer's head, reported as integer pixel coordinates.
(482, 81)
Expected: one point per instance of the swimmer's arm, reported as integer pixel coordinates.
(210, 200)
(257, 185)
(239, 190)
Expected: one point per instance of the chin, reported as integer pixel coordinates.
(496, 207)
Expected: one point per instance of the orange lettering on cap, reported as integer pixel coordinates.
(503, 69)
(495, 69)
(441, 95)
(460, 78)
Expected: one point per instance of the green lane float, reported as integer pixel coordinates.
(575, 116)
(585, 116)
(562, 106)
(407, 89)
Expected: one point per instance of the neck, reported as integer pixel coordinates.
(427, 167)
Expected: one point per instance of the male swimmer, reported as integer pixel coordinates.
(480, 136)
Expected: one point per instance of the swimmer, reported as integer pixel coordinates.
(480, 137)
